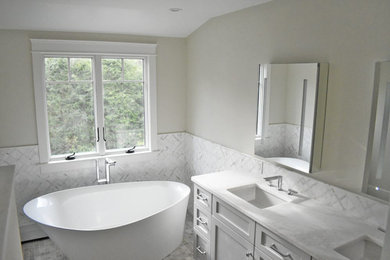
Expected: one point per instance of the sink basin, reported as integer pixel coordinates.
(256, 196)
(363, 248)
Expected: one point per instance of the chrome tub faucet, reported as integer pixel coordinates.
(108, 163)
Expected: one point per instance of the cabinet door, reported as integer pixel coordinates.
(228, 245)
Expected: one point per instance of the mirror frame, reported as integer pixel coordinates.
(371, 134)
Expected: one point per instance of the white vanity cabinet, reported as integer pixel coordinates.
(202, 223)
(224, 233)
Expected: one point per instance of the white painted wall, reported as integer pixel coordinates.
(277, 86)
(295, 76)
(223, 58)
(17, 109)
(286, 88)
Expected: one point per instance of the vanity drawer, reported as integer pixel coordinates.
(202, 220)
(202, 198)
(201, 246)
(234, 219)
(274, 246)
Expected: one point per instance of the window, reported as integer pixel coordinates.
(93, 98)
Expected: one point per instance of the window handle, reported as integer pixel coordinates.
(98, 137)
(71, 156)
(104, 138)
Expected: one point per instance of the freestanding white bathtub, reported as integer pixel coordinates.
(129, 221)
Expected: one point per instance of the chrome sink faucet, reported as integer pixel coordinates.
(278, 177)
(108, 163)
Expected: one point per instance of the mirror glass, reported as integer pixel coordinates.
(291, 114)
(377, 171)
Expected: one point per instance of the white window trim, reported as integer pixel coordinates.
(42, 47)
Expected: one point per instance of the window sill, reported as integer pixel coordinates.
(88, 162)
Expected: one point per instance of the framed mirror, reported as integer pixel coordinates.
(377, 170)
(291, 114)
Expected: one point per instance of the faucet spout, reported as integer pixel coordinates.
(278, 177)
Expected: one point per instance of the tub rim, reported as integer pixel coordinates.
(186, 194)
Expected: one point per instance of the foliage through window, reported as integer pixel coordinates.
(73, 110)
(123, 102)
(70, 104)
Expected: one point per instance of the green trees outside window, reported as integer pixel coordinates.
(70, 97)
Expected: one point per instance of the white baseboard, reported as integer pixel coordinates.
(31, 232)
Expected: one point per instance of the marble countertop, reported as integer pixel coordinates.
(314, 228)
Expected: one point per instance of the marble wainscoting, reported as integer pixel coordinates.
(180, 156)
(282, 140)
(33, 180)
(205, 157)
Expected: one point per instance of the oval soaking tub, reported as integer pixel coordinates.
(132, 221)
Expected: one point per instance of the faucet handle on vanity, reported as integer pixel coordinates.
(277, 177)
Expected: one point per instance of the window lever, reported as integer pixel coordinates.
(98, 137)
(71, 157)
(131, 150)
(104, 138)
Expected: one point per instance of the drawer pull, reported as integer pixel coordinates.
(201, 221)
(273, 247)
(201, 197)
(202, 252)
(249, 255)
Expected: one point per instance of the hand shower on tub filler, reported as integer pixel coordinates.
(108, 163)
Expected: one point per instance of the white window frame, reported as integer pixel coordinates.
(98, 50)
(262, 101)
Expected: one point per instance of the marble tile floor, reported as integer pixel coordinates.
(45, 249)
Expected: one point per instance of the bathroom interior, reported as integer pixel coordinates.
(180, 130)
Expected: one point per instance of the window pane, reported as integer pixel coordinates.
(70, 109)
(112, 69)
(80, 69)
(56, 69)
(124, 114)
(133, 69)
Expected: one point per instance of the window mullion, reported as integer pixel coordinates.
(99, 109)
(69, 75)
(123, 70)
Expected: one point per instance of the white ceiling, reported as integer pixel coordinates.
(140, 17)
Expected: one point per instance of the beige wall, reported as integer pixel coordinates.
(223, 58)
(17, 109)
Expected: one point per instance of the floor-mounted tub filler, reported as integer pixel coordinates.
(132, 221)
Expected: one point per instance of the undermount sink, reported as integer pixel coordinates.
(256, 196)
(362, 248)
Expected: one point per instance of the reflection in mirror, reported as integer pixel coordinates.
(291, 114)
(377, 170)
